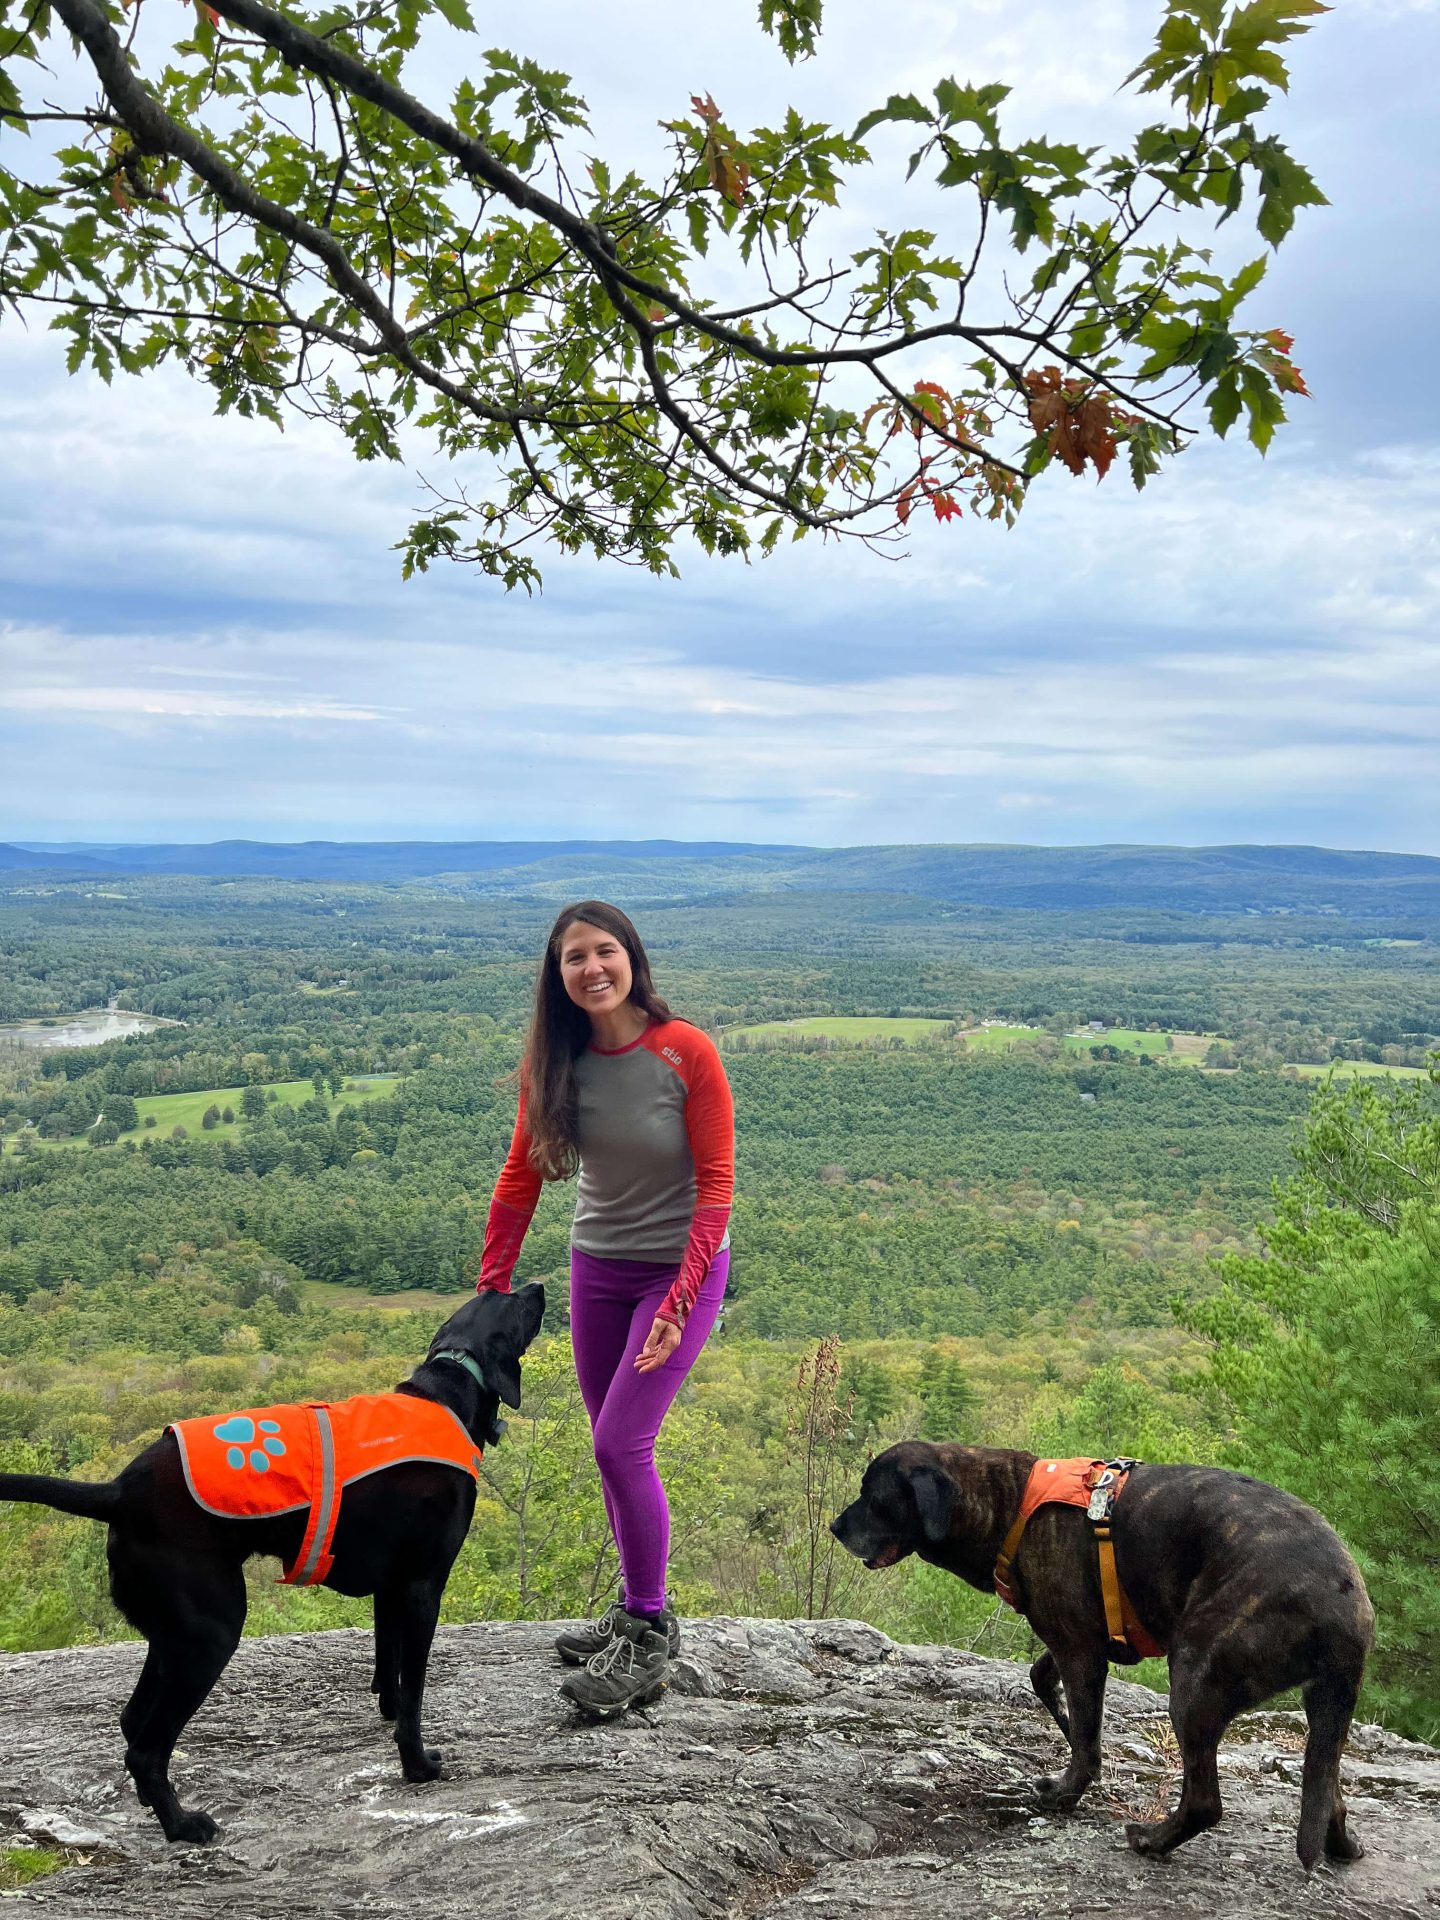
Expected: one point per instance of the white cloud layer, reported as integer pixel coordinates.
(202, 629)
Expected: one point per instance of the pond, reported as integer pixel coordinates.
(86, 1029)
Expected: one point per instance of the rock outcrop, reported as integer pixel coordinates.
(796, 1772)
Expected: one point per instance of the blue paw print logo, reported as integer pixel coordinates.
(239, 1432)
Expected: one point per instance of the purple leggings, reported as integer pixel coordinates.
(613, 1304)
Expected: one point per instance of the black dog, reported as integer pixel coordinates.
(1250, 1591)
(175, 1569)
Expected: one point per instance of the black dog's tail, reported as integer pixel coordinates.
(91, 1499)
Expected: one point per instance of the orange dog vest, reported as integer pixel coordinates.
(272, 1460)
(1076, 1483)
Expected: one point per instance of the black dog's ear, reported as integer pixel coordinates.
(502, 1372)
(458, 1329)
(934, 1501)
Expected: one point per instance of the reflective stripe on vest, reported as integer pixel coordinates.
(306, 1569)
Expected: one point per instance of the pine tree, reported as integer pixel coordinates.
(1328, 1350)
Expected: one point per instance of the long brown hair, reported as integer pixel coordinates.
(560, 1033)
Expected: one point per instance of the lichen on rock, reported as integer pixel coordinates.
(796, 1771)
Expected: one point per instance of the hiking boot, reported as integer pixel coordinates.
(630, 1670)
(576, 1645)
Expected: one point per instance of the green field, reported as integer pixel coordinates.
(1365, 1069)
(1187, 1049)
(426, 1300)
(188, 1109)
(1184, 1049)
(997, 1039)
(853, 1030)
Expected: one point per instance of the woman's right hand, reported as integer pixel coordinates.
(661, 1341)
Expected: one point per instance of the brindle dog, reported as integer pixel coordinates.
(1250, 1591)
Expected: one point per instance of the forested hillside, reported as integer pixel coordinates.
(877, 1192)
(281, 1195)
(1244, 879)
(309, 965)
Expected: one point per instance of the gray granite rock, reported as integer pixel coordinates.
(796, 1772)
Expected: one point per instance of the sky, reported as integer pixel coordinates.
(204, 633)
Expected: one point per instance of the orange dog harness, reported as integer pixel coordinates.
(272, 1460)
(1094, 1485)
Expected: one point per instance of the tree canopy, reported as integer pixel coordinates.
(257, 196)
(1328, 1354)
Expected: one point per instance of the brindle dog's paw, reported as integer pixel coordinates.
(1343, 1846)
(194, 1828)
(1054, 1793)
(419, 1768)
(1145, 1835)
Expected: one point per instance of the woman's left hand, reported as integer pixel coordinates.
(661, 1341)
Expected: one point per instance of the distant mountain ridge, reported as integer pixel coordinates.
(362, 860)
(1220, 879)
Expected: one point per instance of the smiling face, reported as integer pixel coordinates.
(594, 968)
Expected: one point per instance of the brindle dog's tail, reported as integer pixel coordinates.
(91, 1499)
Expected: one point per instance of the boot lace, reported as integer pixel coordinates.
(605, 1625)
(621, 1653)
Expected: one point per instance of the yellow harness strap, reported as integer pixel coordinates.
(1115, 1610)
(1007, 1554)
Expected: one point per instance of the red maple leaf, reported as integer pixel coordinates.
(728, 174)
(1281, 368)
(1097, 441)
(1078, 420)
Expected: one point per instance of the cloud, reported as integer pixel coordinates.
(206, 628)
(1264, 635)
(122, 704)
(498, 743)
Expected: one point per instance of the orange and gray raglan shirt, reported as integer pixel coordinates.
(657, 1163)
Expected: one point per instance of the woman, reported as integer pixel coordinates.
(615, 1088)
